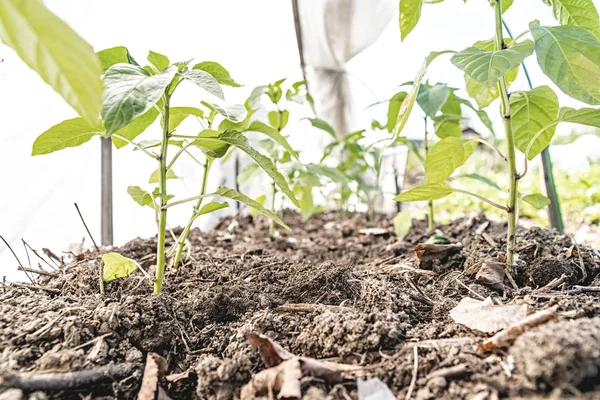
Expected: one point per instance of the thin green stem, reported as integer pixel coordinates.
(490, 202)
(137, 146)
(180, 245)
(430, 216)
(183, 149)
(274, 190)
(162, 216)
(513, 204)
(491, 146)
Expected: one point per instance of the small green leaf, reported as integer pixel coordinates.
(178, 114)
(112, 56)
(242, 198)
(402, 223)
(155, 177)
(537, 200)
(319, 123)
(218, 72)
(447, 125)
(570, 56)
(432, 98)
(583, 116)
(211, 207)
(581, 13)
(506, 5)
(55, 52)
(210, 145)
(410, 12)
(140, 196)
(285, 116)
(160, 61)
(116, 266)
(430, 191)
(487, 67)
(129, 93)
(206, 81)
(262, 199)
(275, 119)
(69, 133)
(257, 126)
(394, 109)
(531, 111)
(234, 112)
(446, 156)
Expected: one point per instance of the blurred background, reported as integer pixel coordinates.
(351, 49)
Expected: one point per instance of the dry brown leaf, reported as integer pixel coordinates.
(373, 232)
(156, 366)
(180, 376)
(283, 378)
(429, 252)
(270, 352)
(492, 275)
(485, 316)
(508, 335)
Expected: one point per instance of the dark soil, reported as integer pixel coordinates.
(326, 290)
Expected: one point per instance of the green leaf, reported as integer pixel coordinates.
(306, 180)
(581, 13)
(178, 114)
(155, 177)
(447, 125)
(160, 61)
(55, 52)
(237, 126)
(531, 111)
(241, 142)
(446, 156)
(432, 98)
(402, 223)
(394, 109)
(140, 196)
(323, 125)
(262, 199)
(206, 81)
(211, 207)
(116, 266)
(218, 72)
(112, 56)
(234, 112)
(506, 5)
(430, 191)
(247, 172)
(285, 116)
(307, 203)
(332, 173)
(537, 200)
(410, 12)
(69, 133)
(136, 127)
(275, 119)
(583, 116)
(239, 197)
(129, 93)
(210, 145)
(487, 67)
(570, 56)
(257, 126)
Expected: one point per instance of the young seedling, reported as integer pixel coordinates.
(568, 54)
(134, 97)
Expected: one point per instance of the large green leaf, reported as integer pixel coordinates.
(570, 56)
(447, 125)
(112, 56)
(487, 67)
(410, 12)
(140, 196)
(161, 62)
(581, 13)
(394, 109)
(241, 142)
(530, 112)
(55, 52)
(69, 133)
(206, 81)
(583, 116)
(129, 92)
(537, 200)
(218, 72)
(178, 114)
(136, 127)
(257, 126)
(116, 266)
(242, 198)
(430, 191)
(432, 98)
(447, 155)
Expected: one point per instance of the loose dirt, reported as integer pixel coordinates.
(329, 290)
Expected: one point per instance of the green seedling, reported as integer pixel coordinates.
(568, 54)
(134, 98)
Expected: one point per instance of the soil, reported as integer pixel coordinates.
(328, 290)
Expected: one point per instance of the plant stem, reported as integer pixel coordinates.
(143, 150)
(430, 220)
(183, 237)
(162, 216)
(513, 204)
